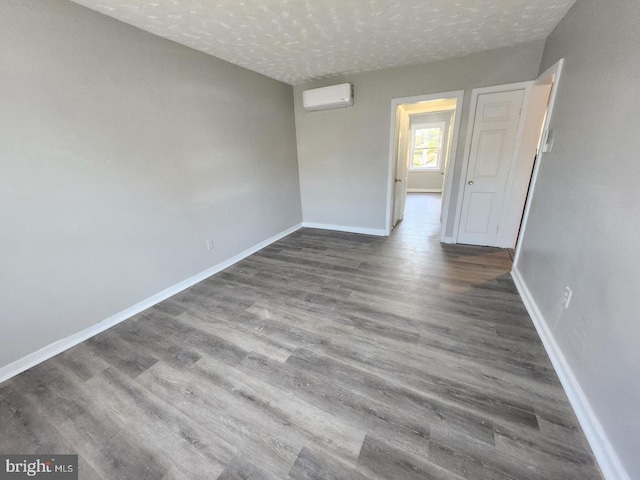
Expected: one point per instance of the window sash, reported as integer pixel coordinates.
(424, 149)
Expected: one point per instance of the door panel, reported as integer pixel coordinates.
(480, 208)
(497, 111)
(489, 153)
(493, 143)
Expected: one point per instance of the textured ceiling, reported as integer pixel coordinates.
(298, 40)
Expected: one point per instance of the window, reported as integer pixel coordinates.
(426, 146)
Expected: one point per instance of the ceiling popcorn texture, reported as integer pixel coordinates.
(299, 40)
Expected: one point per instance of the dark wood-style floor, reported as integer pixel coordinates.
(324, 356)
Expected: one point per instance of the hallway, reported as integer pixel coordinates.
(422, 217)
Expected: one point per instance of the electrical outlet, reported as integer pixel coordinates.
(566, 299)
(209, 245)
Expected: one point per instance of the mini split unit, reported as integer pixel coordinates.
(334, 96)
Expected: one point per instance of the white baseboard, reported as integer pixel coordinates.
(340, 228)
(424, 190)
(606, 456)
(60, 346)
(449, 240)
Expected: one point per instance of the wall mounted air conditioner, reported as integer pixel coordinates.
(334, 96)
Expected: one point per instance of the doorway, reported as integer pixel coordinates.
(424, 137)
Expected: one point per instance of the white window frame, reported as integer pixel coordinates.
(417, 126)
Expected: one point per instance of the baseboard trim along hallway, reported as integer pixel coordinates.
(604, 452)
(60, 346)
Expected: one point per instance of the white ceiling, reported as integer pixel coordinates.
(298, 40)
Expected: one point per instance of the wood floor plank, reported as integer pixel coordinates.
(266, 439)
(357, 411)
(289, 407)
(326, 355)
(407, 408)
(311, 465)
(53, 397)
(399, 465)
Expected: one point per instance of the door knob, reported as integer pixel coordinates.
(470, 182)
(398, 180)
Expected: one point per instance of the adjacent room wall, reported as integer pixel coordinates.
(121, 154)
(583, 229)
(343, 154)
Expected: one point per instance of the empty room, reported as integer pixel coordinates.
(313, 240)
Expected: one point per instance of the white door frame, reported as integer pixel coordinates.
(448, 179)
(556, 70)
(467, 147)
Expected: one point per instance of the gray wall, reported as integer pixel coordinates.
(343, 154)
(431, 180)
(120, 154)
(583, 229)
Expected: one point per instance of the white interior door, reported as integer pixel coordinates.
(491, 154)
(549, 77)
(533, 114)
(401, 170)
